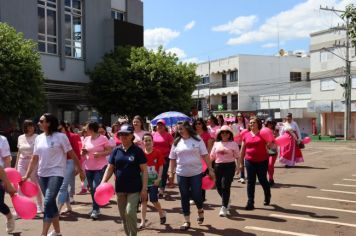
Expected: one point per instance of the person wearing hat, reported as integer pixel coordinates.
(291, 153)
(128, 163)
(225, 153)
(162, 141)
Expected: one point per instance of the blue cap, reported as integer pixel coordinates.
(126, 128)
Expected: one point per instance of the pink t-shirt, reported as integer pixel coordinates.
(206, 137)
(138, 139)
(92, 146)
(162, 142)
(214, 131)
(256, 149)
(224, 152)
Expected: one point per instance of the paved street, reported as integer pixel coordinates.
(315, 198)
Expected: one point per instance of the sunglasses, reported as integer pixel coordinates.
(251, 123)
(198, 123)
(225, 132)
(123, 134)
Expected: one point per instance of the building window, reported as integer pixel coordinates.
(224, 102)
(205, 80)
(234, 102)
(327, 84)
(295, 76)
(234, 76)
(117, 15)
(47, 26)
(73, 28)
(353, 83)
(325, 56)
(308, 76)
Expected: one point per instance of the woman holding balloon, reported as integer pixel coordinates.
(272, 150)
(127, 162)
(254, 152)
(5, 185)
(50, 154)
(290, 154)
(25, 145)
(225, 153)
(186, 154)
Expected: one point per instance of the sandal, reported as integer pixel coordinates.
(185, 226)
(200, 217)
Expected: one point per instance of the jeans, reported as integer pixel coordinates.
(190, 186)
(94, 179)
(4, 209)
(165, 173)
(224, 173)
(259, 169)
(50, 187)
(63, 196)
(127, 204)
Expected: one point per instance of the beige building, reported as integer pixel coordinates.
(327, 68)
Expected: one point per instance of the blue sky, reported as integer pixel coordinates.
(197, 30)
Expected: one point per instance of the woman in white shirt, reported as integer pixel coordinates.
(185, 160)
(50, 153)
(25, 145)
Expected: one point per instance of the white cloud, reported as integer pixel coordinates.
(190, 25)
(238, 26)
(270, 45)
(159, 36)
(298, 22)
(179, 52)
(192, 60)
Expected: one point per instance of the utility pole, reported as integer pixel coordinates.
(347, 85)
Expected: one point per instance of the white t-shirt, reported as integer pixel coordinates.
(25, 145)
(52, 151)
(4, 149)
(188, 154)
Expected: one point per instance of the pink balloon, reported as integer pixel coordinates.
(207, 183)
(13, 175)
(306, 140)
(282, 140)
(242, 133)
(24, 207)
(29, 189)
(104, 193)
(267, 134)
(204, 166)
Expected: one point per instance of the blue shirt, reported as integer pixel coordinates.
(127, 168)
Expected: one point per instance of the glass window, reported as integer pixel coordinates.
(117, 15)
(295, 76)
(73, 28)
(234, 102)
(327, 84)
(353, 82)
(47, 26)
(233, 76)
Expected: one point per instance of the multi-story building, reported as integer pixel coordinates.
(72, 37)
(328, 67)
(264, 85)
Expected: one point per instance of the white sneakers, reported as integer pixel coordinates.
(224, 212)
(54, 233)
(10, 224)
(39, 209)
(241, 180)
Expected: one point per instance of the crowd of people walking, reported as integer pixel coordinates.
(145, 161)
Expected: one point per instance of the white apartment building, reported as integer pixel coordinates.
(327, 75)
(263, 85)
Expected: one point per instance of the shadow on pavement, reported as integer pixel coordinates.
(302, 167)
(297, 212)
(280, 185)
(75, 216)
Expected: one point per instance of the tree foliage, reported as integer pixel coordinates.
(350, 16)
(132, 81)
(21, 76)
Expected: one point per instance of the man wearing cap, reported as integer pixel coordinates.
(127, 162)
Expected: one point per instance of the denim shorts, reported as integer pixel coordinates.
(153, 193)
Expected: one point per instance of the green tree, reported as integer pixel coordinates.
(21, 76)
(350, 16)
(132, 81)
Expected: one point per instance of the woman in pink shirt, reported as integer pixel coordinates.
(213, 126)
(95, 149)
(225, 153)
(139, 131)
(254, 151)
(162, 141)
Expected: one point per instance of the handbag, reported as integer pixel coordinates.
(301, 145)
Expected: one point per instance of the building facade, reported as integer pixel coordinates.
(265, 85)
(72, 37)
(328, 68)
